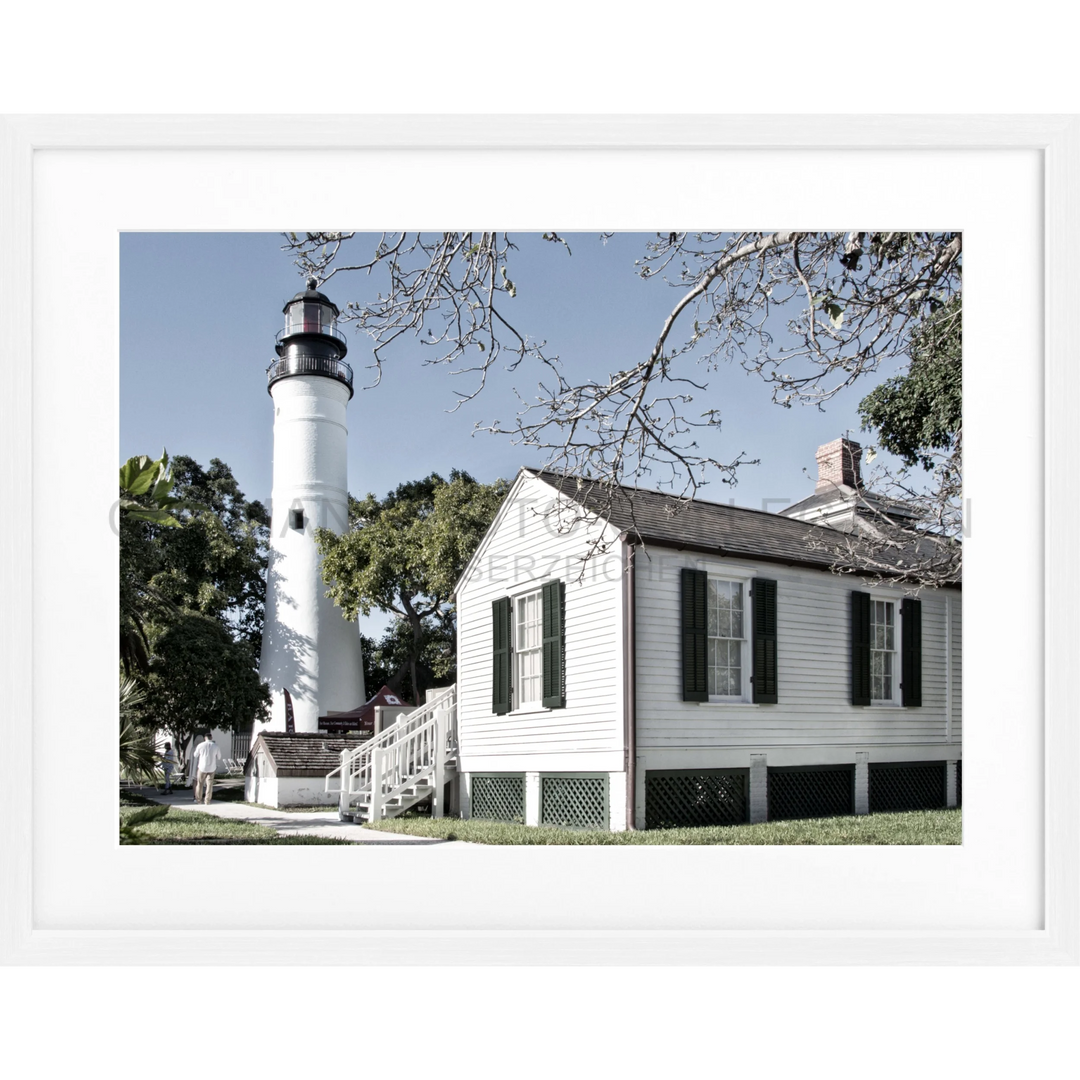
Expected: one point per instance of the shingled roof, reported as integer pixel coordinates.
(653, 517)
(306, 753)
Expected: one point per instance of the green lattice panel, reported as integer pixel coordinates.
(959, 783)
(574, 802)
(811, 792)
(498, 797)
(907, 786)
(686, 799)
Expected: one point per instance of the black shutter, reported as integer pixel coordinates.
(500, 655)
(764, 608)
(911, 652)
(554, 600)
(695, 628)
(860, 648)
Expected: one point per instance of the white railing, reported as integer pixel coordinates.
(412, 748)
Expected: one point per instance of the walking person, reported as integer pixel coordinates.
(206, 759)
(168, 763)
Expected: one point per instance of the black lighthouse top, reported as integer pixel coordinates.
(310, 343)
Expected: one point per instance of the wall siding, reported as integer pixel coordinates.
(813, 668)
(521, 552)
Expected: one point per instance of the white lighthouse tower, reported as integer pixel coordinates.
(308, 649)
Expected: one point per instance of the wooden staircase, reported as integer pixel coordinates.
(404, 764)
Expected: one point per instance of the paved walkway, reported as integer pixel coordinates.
(285, 822)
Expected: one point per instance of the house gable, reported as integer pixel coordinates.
(523, 573)
(529, 487)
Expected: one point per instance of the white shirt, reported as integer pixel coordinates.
(207, 756)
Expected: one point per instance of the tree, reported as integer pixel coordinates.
(905, 523)
(389, 660)
(403, 556)
(216, 562)
(192, 566)
(918, 415)
(810, 313)
(138, 758)
(145, 500)
(201, 677)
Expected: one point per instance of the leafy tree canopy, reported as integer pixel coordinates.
(403, 556)
(201, 677)
(216, 562)
(920, 412)
(210, 558)
(193, 554)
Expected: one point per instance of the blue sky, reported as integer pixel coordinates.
(199, 312)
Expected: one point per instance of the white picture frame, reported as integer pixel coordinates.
(28, 938)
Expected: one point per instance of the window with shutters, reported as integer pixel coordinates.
(729, 638)
(528, 650)
(886, 650)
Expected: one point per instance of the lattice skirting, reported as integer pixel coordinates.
(811, 792)
(498, 797)
(574, 801)
(907, 786)
(687, 797)
(959, 783)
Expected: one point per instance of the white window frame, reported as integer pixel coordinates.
(745, 581)
(516, 704)
(895, 700)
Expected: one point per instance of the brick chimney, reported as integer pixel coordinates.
(838, 463)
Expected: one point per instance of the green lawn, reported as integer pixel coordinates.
(914, 827)
(196, 827)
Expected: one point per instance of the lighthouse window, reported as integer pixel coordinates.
(296, 519)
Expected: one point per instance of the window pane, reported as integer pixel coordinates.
(714, 618)
(723, 610)
(736, 609)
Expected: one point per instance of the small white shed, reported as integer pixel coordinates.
(290, 769)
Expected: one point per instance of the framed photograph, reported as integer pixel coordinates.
(1008, 895)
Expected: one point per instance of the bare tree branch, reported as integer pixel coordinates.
(808, 312)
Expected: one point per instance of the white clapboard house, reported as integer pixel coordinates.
(703, 666)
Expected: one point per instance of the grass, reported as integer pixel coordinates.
(293, 809)
(133, 798)
(196, 827)
(913, 827)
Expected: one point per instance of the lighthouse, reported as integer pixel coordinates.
(309, 649)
